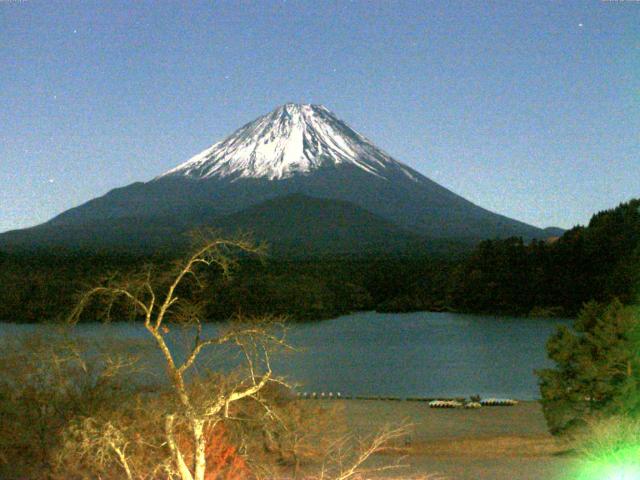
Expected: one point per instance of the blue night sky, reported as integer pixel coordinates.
(529, 109)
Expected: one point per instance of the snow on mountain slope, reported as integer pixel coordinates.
(293, 139)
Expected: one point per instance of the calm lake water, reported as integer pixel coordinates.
(422, 354)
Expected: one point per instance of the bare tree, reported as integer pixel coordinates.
(345, 462)
(47, 379)
(160, 305)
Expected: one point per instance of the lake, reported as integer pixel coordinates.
(422, 354)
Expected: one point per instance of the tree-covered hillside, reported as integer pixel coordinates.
(597, 262)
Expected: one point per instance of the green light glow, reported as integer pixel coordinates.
(621, 465)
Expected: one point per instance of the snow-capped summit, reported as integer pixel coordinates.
(292, 139)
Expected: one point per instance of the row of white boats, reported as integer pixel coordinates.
(433, 403)
(487, 402)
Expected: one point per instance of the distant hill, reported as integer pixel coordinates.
(297, 224)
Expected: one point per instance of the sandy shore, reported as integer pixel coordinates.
(493, 443)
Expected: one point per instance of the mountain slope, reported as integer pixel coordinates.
(292, 225)
(296, 149)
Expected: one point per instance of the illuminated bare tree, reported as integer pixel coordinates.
(159, 304)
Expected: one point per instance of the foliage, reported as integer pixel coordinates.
(42, 287)
(46, 381)
(598, 262)
(607, 448)
(597, 372)
(222, 457)
(37, 288)
(602, 439)
(497, 277)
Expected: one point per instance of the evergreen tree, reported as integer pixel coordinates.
(598, 367)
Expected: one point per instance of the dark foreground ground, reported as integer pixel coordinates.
(493, 443)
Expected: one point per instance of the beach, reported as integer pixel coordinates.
(495, 443)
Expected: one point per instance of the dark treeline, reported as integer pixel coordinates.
(45, 287)
(597, 262)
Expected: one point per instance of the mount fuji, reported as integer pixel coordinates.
(298, 174)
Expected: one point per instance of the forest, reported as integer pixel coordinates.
(599, 261)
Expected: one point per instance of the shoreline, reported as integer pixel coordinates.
(292, 321)
(330, 396)
(464, 444)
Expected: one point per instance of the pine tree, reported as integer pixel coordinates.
(597, 370)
